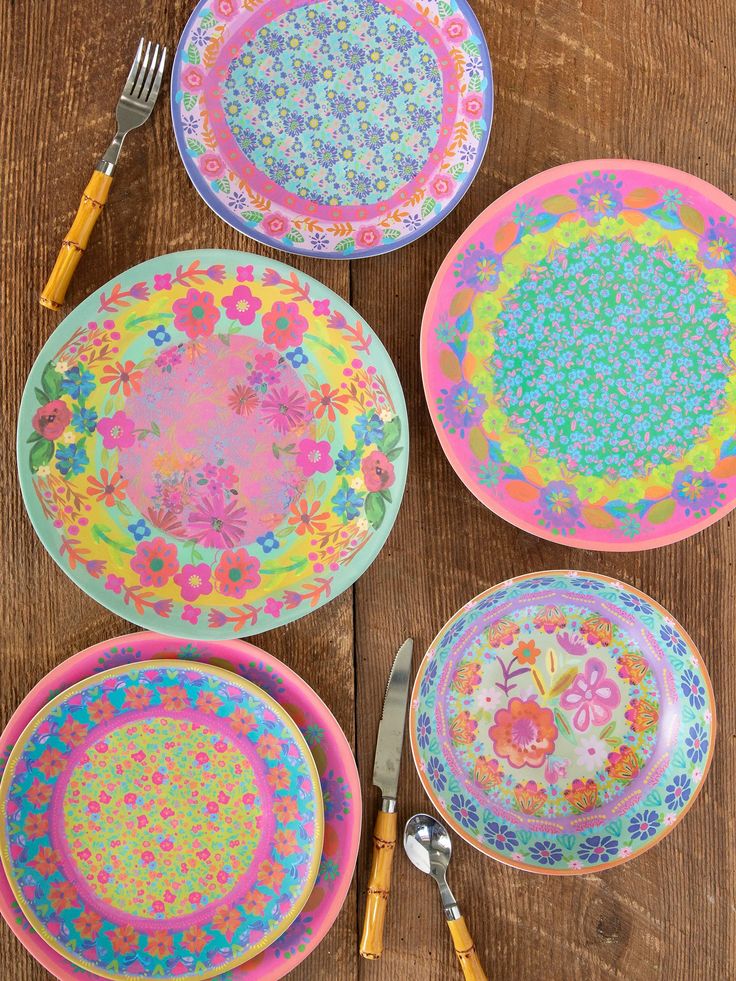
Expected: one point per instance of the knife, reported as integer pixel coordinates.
(386, 778)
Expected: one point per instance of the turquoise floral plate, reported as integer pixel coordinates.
(213, 444)
(341, 128)
(562, 722)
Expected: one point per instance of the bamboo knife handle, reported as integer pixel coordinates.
(73, 246)
(465, 950)
(379, 884)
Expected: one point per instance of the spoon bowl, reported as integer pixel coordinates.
(427, 844)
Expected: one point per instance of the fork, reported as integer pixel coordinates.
(134, 107)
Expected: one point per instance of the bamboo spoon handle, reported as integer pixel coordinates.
(73, 246)
(465, 950)
(379, 884)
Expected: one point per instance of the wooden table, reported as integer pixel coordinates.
(651, 79)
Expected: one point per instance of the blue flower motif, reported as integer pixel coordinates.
(84, 420)
(159, 335)
(429, 678)
(677, 794)
(347, 462)
(545, 852)
(693, 688)
(673, 639)
(500, 836)
(368, 428)
(436, 773)
(347, 503)
(297, 357)
(643, 825)
(598, 848)
(71, 459)
(78, 382)
(697, 743)
(464, 810)
(139, 530)
(268, 542)
(319, 241)
(424, 730)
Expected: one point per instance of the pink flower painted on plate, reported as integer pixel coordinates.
(237, 572)
(225, 9)
(194, 581)
(272, 607)
(217, 522)
(314, 457)
(284, 409)
(456, 29)
(192, 78)
(241, 305)
(368, 237)
(51, 419)
(591, 697)
(162, 282)
(321, 308)
(378, 471)
(196, 313)
(114, 583)
(442, 186)
(245, 274)
(284, 326)
(573, 645)
(277, 225)
(473, 106)
(211, 165)
(155, 562)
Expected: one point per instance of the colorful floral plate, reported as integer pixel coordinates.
(161, 820)
(578, 355)
(214, 444)
(332, 127)
(331, 752)
(562, 722)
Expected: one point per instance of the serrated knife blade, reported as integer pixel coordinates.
(391, 728)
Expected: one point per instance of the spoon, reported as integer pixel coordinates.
(429, 848)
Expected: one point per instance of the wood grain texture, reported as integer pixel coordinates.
(653, 79)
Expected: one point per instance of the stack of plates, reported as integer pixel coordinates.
(177, 811)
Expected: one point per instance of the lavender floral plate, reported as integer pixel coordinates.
(341, 128)
(562, 722)
(213, 444)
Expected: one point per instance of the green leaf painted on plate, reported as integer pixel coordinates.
(391, 435)
(41, 453)
(375, 510)
(51, 382)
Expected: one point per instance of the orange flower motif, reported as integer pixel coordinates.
(271, 874)
(530, 797)
(307, 519)
(463, 728)
(39, 794)
(110, 488)
(160, 944)
(582, 795)
(138, 696)
(524, 733)
(278, 778)
(268, 747)
(46, 862)
(327, 400)
(208, 702)
(633, 667)
(63, 895)
(227, 920)
(285, 842)
(526, 652)
(487, 772)
(285, 809)
(502, 631)
(623, 764)
(596, 630)
(73, 732)
(51, 762)
(123, 376)
(174, 699)
(242, 722)
(36, 826)
(466, 678)
(255, 902)
(124, 939)
(642, 714)
(88, 924)
(550, 619)
(195, 939)
(101, 710)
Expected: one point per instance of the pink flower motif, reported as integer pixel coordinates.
(196, 314)
(368, 237)
(192, 78)
(237, 572)
(573, 645)
(455, 29)
(591, 697)
(276, 224)
(314, 457)
(272, 607)
(155, 562)
(51, 419)
(217, 521)
(114, 583)
(442, 186)
(117, 431)
(211, 165)
(473, 106)
(378, 471)
(226, 9)
(245, 274)
(284, 326)
(162, 282)
(194, 581)
(321, 308)
(241, 305)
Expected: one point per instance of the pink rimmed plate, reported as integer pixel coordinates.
(161, 820)
(331, 752)
(562, 722)
(332, 127)
(578, 355)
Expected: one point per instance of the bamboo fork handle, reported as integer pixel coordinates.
(73, 246)
(379, 884)
(465, 950)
